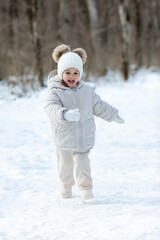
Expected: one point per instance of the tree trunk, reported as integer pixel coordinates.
(138, 27)
(124, 21)
(156, 6)
(13, 13)
(157, 16)
(64, 22)
(95, 38)
(37, 40)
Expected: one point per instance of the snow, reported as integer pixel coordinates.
(125, 166)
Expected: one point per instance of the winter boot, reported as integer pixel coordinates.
(66, 193)
(87, 196)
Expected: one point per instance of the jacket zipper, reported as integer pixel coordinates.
(79, 138)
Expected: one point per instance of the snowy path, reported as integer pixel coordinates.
(125, 168)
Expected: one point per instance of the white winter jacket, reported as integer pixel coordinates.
(75, 136)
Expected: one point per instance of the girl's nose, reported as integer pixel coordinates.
(72, 75)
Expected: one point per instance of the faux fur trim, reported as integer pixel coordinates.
(59, 51)
(82, 53)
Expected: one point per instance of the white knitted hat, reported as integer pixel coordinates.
(70, 60)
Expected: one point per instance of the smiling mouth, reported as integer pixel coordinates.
(71, 81)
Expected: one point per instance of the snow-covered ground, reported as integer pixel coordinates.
(125, 168)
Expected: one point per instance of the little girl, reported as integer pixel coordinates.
(71, 106)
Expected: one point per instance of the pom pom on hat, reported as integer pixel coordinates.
(59, 51)
(65, 58)
(82, 53)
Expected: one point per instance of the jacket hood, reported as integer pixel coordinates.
(55, 82)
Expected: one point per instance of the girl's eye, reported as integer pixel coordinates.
(67, 72)
(75, 73)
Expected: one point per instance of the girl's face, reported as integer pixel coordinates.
(70, 76)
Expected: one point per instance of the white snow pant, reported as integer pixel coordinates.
(66, 163)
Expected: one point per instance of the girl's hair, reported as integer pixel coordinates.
(63, 83)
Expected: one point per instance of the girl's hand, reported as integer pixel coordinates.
(118, 119)
(72, 115)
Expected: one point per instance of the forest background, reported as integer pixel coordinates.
(116, 34)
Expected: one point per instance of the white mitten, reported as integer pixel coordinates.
(118, 119)
(72, 115)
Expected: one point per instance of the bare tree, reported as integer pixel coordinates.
(138, 32)
(95, 38)
(149, 48)
(111, 31)
(33, 16)
(64, 22)
(125, 27)
(156, 5)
